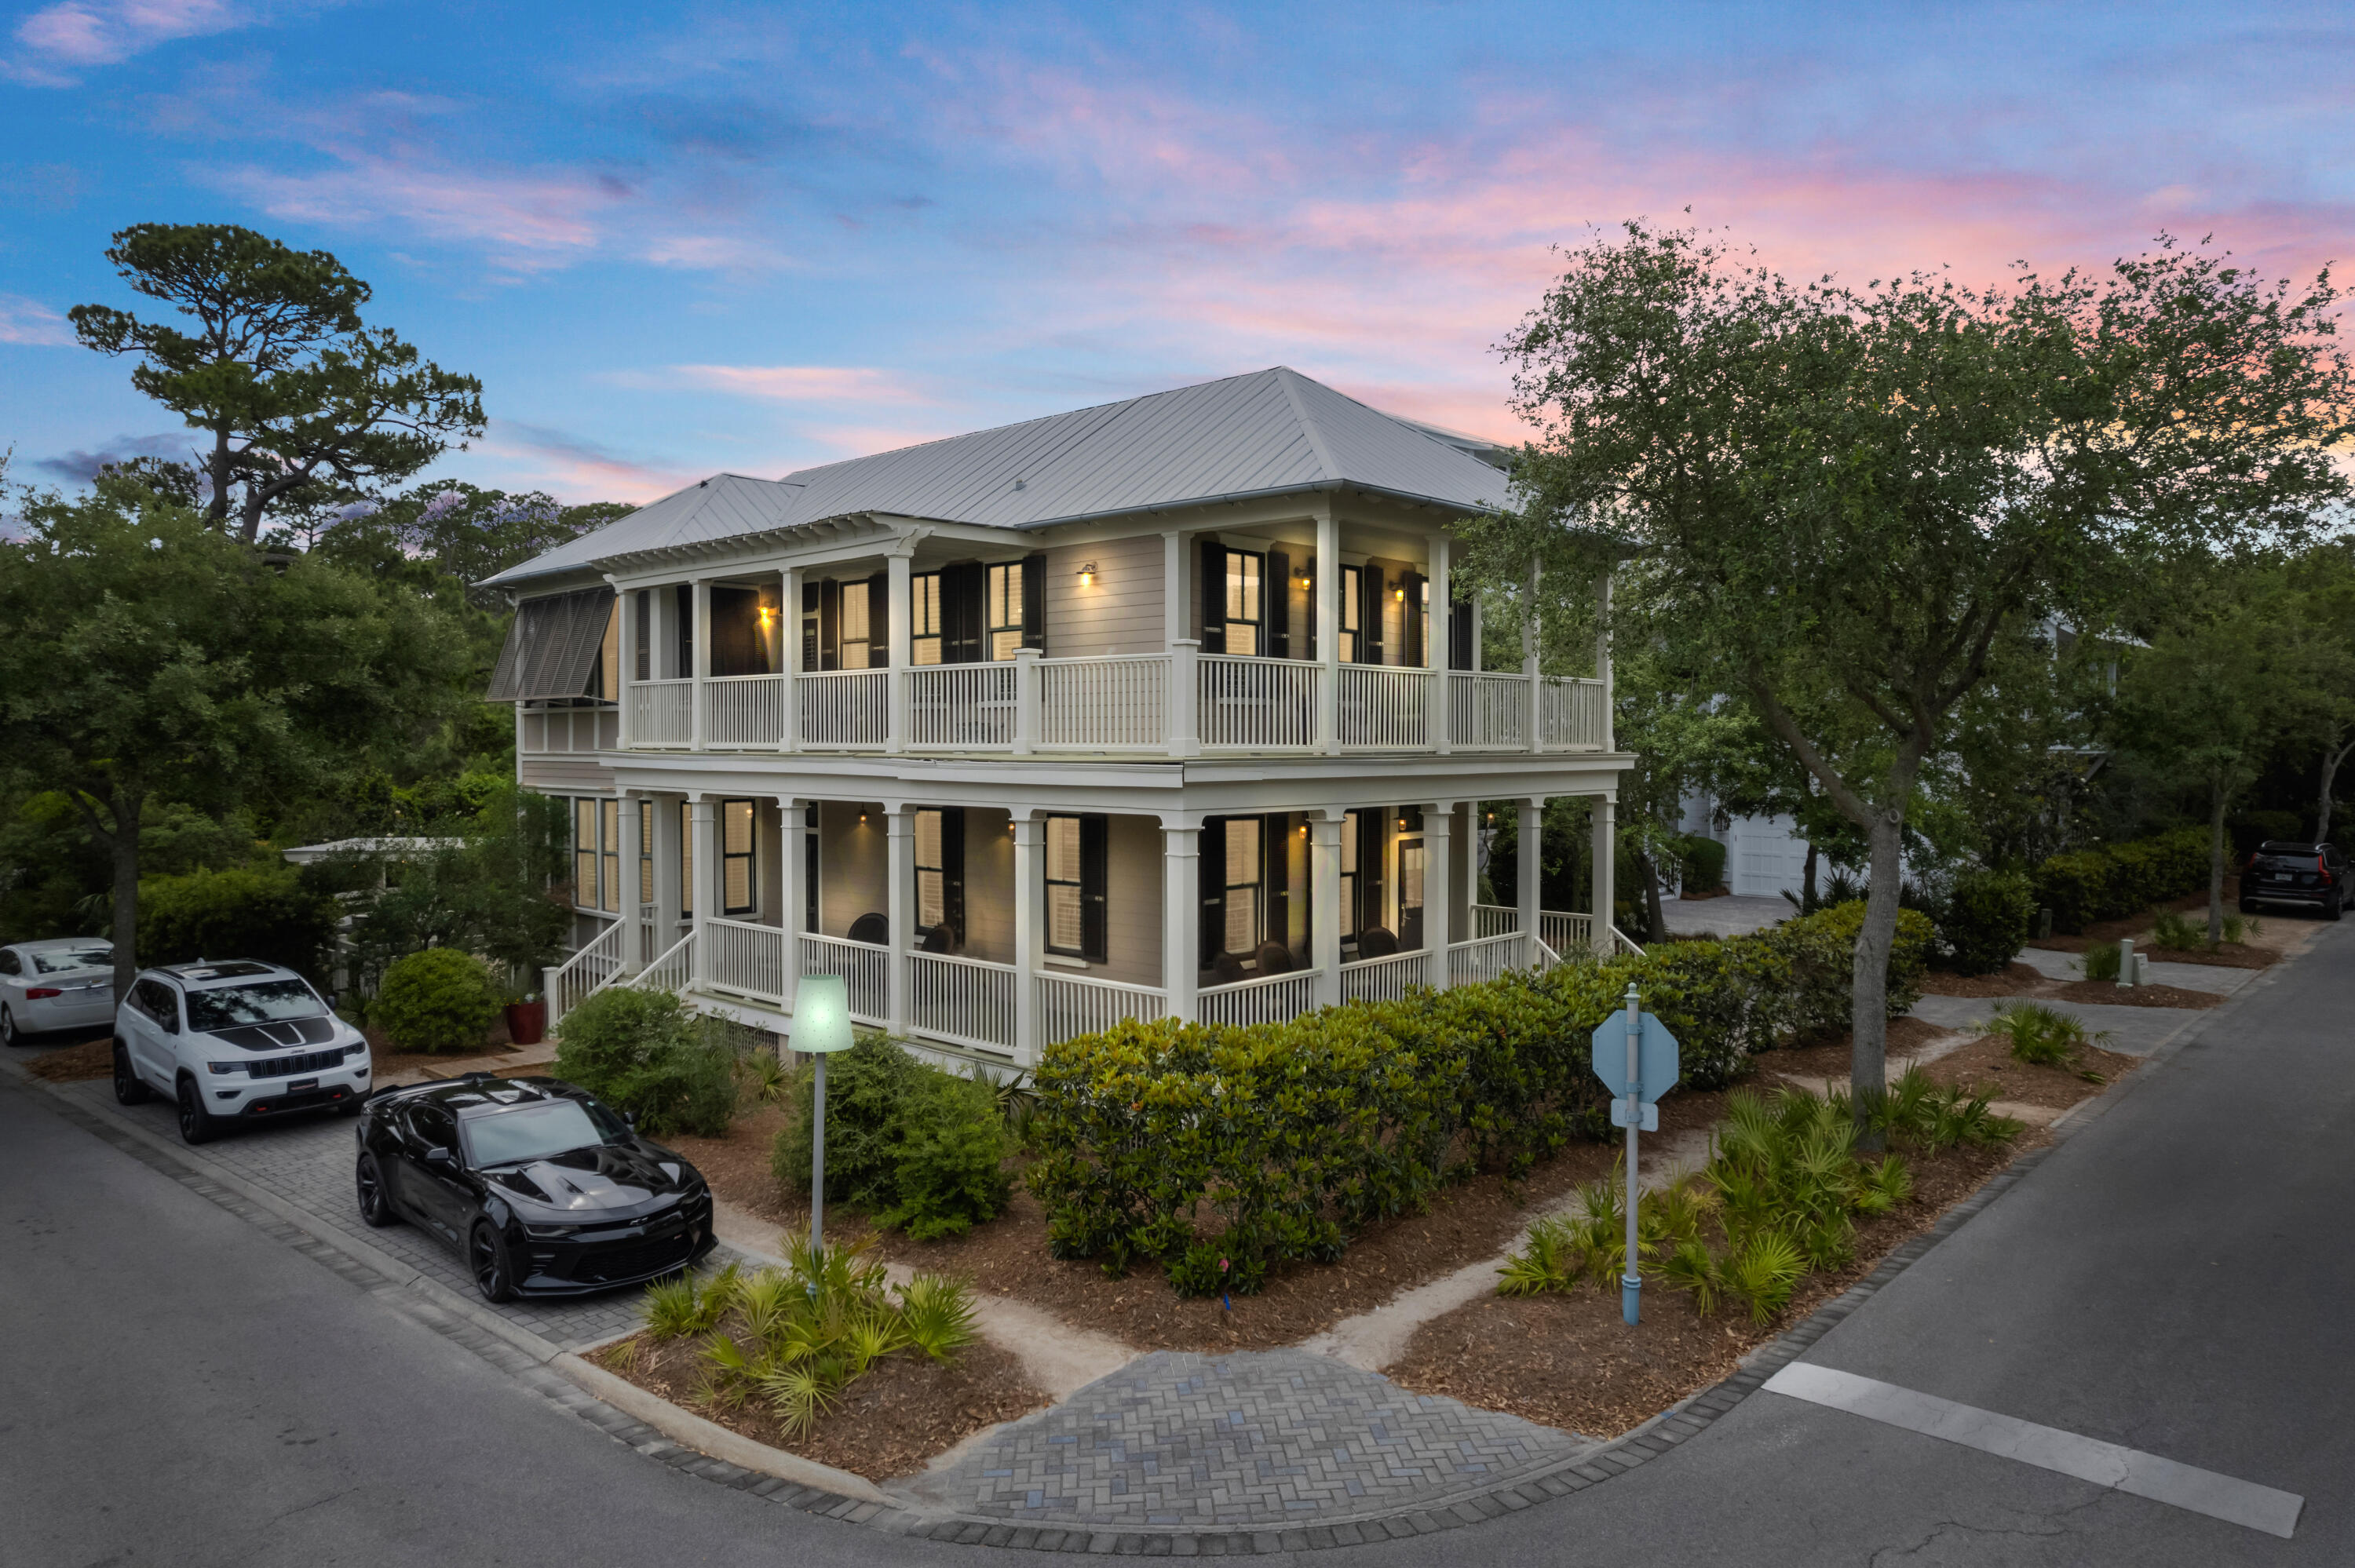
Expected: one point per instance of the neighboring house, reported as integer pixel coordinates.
(1161, 707)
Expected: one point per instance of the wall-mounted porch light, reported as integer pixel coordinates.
(1088, 575)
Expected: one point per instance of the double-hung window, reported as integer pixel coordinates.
(645, 851)
(1244, 880)
(857, 642)
(924, 618)
(596, 854)
(1077, 873)
(609, 858)
(1246, 602)
(736, 857)
(1353, 617)
(1003, 610)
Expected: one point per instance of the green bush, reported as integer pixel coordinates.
(2112, 881)
(1986, 921)
(919, 1148)
(245, 912)
(1298, 1133)
(2039, 1036)
(438, 999)
(1704, 865)
(642, 1052)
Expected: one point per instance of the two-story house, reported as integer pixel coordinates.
(1163, 707)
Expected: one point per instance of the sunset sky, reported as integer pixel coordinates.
(673, 240)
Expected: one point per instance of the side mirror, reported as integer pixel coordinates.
(630, 1120)
(440, 1157)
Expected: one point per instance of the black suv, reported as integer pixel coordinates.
(2307, 873)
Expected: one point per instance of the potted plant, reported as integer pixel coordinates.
(527, 1020)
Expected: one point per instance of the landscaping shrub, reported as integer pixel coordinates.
(2112, 881)
(1296, 1134)
(245, 912)
(919, 1148)
(2101, 962)
(1985, 921)
(437, 998)
(1704, 865)
(644, 1053)
(2039, 1036)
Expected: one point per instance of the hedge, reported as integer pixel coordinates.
(1298, 1134)
(2112, 881)
(644, 1052)
(270, 914)
(436, 998)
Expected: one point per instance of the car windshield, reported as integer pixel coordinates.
(60, 960)
(533, 1132)
(267, 1002)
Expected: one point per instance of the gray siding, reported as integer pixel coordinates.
(1121, 613)
(854, 865)
(1133, 902)
(989, 886)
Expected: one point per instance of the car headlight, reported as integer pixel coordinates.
(360, 1050)
(219, 1068)
(549, 1233)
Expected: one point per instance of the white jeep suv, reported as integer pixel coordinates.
(235, 1040)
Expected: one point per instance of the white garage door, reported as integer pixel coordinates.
(1767, 856)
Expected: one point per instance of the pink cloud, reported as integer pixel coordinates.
(529, 221)
(518, 456)
(83, 33)
(30, 321)
(806, 383)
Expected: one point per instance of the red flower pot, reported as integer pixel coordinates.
(526, 1021)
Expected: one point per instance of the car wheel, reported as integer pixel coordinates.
(2330, 910)
(375, 1209)
(9, 1035)
(128, 1089)
(196, 1124)
(488, 1256)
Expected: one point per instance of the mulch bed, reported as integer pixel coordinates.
(2108, 993)
(1985, 1066)
(1566, 1359)
(93, 1058)
(2013, 980)
(1828, 1059)
(388, 1062)
(907, 1410)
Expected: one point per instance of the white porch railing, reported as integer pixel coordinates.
(661, 713)
(1570, 714)
(1565, 933)
(1258, 705)
(1104, 704)
(1623, 943)
(671, 971)
(1385, 978)
(961, 707)
(1385, 708)
(745, 957)
(866, 973)
(1487, 712)
(1270, 998)
(965, 1001)
(1484, 957)
(1495, 919)
(1072, 1005)
(588, 971)
(743, 710)
(556, 730)
(843, 708)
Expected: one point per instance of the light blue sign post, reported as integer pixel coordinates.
(1635, 1057)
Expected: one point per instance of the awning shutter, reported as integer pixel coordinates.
(551, 648)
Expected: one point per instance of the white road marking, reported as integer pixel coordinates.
(2087, 1458)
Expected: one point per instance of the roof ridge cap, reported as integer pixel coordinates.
(1284, 376)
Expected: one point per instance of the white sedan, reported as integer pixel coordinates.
(66, 982)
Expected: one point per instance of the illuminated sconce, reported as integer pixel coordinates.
(1088, 575)
(1399, 594)
(862, 818)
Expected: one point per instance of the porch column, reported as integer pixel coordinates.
(626, 670)
(1030, 934)
(1531, 839)
(1328, 631)
(899, 837)
(632, 957)
(1175, 622)
(788, 662)
(1530, 663)
(1325, 901)
(1602, 655)
(1437, 566)
(900, 609)
(1438, 889)
(1186, 697)
(700, 663)
(672, 893)
(1181, 910)
(793, 864)
(1606, 847)
(703, 814)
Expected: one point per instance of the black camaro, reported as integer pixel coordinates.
(544, 1191)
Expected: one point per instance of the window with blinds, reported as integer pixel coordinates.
(1242, 882)
(736, 857)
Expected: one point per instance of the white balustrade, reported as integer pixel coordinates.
(1566, 933)
(746, 958)
(1488, 711)
(661, 713)
(1569, 713)
(1484, 957)
(588, 971)
(1384, 707)
(1623, 943)
(1269, 998)
(1385, 978)
(961, 707)
(866, 973)
(1495, 919)
(743, 710)
(670, 971)
(965, 1001)
(1073, 1005)
(1104, 704)
(1258, 705)
(843, 708)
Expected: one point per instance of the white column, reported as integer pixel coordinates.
(632, 959)
(899, 828)
(1530, 663)
(794, 879)
(1325, 901)
(671, 894)
(788, 662)
(703, 818)
(1438, 565)
(1026, 701)
(1030, 934)
(1186, 697)
(1530, 868)
(1602, 655)
(1438, 888)
(902, 655)
(699, 660)
(1606, 867)
(1181, 910)
(1328, 631)
(1175, 622)
(627, 670)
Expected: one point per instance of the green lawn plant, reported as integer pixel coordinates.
(2101, 962)
(2042, 1036)
(644, 1052)
(920, 1149)
(439, 999)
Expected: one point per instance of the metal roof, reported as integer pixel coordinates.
(1266, 433)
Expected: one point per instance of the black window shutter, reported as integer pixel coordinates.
(1275, 878)
(953, 870)
(1369, 613)
(1276, 586)
(1410, 620)
(684, 599)
(965, 593)
(1095, 878)
(642, 602)
(1309, 651)
(1371, 905)
(1212, 864)
(1034, 603)
(1214, 597)
(878, 621)
(1459, 635)
(829, 624)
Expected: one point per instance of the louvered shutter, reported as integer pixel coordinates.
(1034, 603)
(1410, 621)
(1275, 588)
(1214, 597)
(1095, 881)
(878, 621)
(1369, 614)
(953, 870)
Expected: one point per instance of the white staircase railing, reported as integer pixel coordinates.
(671, 971)
(596, 966)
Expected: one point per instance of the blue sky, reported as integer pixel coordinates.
(678, 240)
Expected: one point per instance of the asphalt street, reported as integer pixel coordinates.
(183, 1389)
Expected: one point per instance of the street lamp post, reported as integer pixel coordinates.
(821, 1027)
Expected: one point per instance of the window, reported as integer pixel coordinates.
(1244, 607)
(1410, 883)
(1243, 879)
(685, 860)
(1353, 619)
(924, 618)
(268, 1001)
(1245, 603)
(609, 883)
(645, 851)
(857, 643)
(1004, 611)
(1352, 915)
(736, 857)
(940, 875)
(10, 964)
(584, 854)
(609, 657)
(1078, 871)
